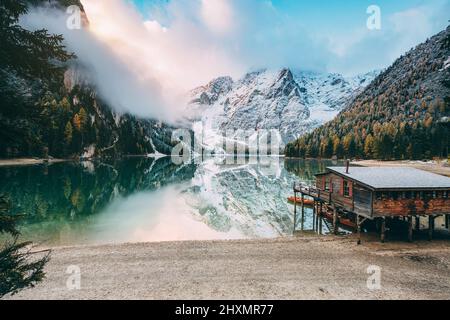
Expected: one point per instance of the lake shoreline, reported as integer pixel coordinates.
(440, 167)
(18, 162)
(283, 268)
(14, 162)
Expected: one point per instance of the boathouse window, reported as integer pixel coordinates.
(346, 189)
(418, 195)
(408, 195)
(445, 194)
(327, 184)
(429, 195)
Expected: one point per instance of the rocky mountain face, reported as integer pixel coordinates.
(63, 116)
(403, 114)
(292, 102)
(327, 94)
(121, 134)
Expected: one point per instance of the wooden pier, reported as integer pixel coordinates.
(350, 197)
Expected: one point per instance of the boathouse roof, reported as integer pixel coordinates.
(394, 178)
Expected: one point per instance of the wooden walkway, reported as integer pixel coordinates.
(325, 213)
(320, 222)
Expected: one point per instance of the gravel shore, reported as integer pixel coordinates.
(26, 162)
(441, 168)
(303, 267)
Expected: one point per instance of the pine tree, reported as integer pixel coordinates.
(19, 269)
(368, 146)
(65, 105)
(26, 52)
(349, 145)
(68, 133)
(77, 122)
(377, 151)
(83, 117)
(337, 147)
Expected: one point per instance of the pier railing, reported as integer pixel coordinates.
(307, 190)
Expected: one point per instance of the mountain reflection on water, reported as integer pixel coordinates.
(144, 199)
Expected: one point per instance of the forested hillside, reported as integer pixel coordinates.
(47, 111)
(403, 114)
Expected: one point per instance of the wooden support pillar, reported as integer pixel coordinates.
(317, 215)
(383, 230)
(417, 223)
(447, 221)
(314, 215)
(320, 218)
(303, 211)
(410, 229)
(335, 220)
(358, 224)
(295, 210)
(430, 227)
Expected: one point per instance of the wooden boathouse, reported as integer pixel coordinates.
(356, 195)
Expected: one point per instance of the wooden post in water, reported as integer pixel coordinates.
(335, 221)
(320, 218)
(410, 229)
(317, 215)
(303, 211)
(383, 229)
(314, 215)
(430, 227)
(295, 209)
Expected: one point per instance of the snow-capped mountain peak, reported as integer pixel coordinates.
(209, 94)
(293, 102)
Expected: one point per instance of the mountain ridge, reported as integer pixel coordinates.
(402, 114)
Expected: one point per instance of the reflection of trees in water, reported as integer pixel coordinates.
(306, 169)
(70, 190)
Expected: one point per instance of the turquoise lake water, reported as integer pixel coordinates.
(144, 199)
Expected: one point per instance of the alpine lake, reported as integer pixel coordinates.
(141, 199)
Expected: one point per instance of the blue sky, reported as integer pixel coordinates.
(320, 34)
(322, 14)
(317, 7)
